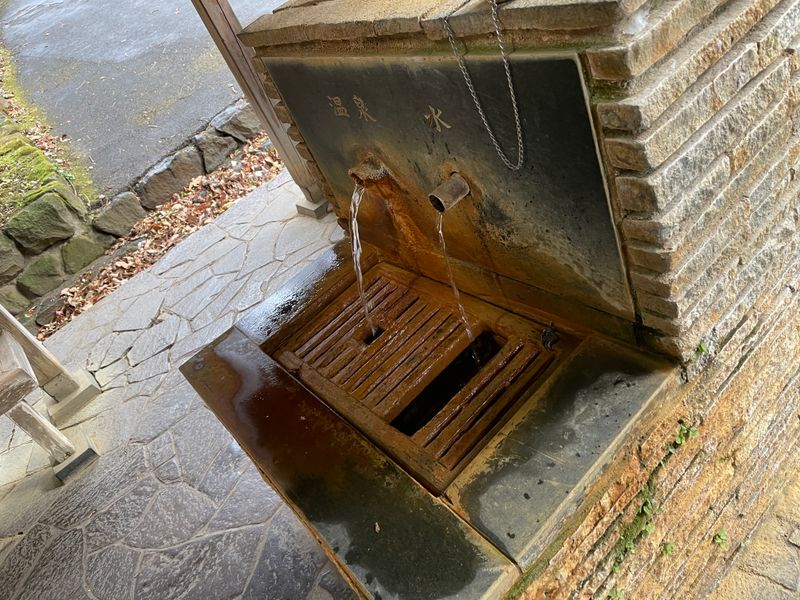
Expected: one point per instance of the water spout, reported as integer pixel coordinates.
(452, 191)
(369, 172)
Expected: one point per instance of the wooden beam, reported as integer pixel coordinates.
(224, 28)
(43, 433)
(17, 379)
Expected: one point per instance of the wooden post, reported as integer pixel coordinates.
(42, 432)
(224, 28)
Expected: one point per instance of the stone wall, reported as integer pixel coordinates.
(54, 236)
(48, 238)
(698, 117)
(648, 527)
(702, 145)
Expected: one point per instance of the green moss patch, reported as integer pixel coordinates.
(19, 174)
(23, 169)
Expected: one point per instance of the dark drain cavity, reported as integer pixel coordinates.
(447, 384)
(372, 335)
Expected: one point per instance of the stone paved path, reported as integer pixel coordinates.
(173, 508)
(768, 565)
(128, 80)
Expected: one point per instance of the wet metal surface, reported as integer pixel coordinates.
(517, 492)
(548, 224)
(399, 541)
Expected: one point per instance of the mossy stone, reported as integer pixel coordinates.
(12, 300)
(13, 141)
(62, 188)
(79, 252)
(43, 274)
(8, 128)
(41, 224)
(23, 169)
(11, 261)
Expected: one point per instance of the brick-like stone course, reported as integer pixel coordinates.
(702, 149)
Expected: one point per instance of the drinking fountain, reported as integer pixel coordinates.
(475, 406)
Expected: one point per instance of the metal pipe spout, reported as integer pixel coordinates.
(452, 191)
(369, 171)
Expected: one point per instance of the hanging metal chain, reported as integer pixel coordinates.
(468, 79)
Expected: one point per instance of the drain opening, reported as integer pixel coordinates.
(447, 384)
(371, 336)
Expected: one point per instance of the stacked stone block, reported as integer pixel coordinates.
(698, 123)
(47, 239)
(702, 149)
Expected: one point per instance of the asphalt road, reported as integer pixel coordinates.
(127, 80)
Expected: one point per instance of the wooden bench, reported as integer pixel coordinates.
(26, 364)
(17, 380)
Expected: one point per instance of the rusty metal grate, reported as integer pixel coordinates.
(372, 380)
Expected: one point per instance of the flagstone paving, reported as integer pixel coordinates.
(172, 508)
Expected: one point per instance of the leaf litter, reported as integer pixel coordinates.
(203, 200)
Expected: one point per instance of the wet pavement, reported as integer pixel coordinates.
(127, 80)
(173, 508)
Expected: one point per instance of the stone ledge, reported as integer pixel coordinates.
(667, 81)
(665, 29)
(350, 21)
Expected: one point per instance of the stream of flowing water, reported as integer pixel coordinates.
(456, 293)
(355, 240)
